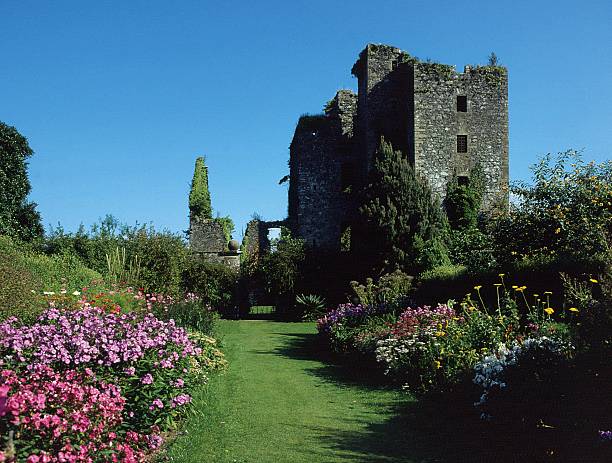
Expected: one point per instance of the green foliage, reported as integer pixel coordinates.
(443, 272)
(199, 196)
(310, 306)
(566, 213)
(473, 249)
(54, 273)
(391, 288)
(16, 285)
(409, 226)
(215, 284)
(26, 274)
(228, 226)
(463, 201)
(190, 313)
(120, 271)
(279, 269)
(160, 255)
(18, 217)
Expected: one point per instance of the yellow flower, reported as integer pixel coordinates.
(547, 292)
(514, 286)
(573, 309)
(440, 333)
(437, 364)
(593, 280)
(535, 295)
(549, 311)
(477, 288)
(496, 284)
(557, 231)
(471, 309)
(501, 275)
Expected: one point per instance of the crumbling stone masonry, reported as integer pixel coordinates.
(444, 121)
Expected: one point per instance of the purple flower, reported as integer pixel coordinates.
(179, 383)
(180, 400)
(156, 403)
(605, 436)
(147, 379)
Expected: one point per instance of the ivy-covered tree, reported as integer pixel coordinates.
(18, 217)
(404, 226)
(199, 196)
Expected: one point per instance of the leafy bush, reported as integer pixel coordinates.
(214, 284)
(199, 196)
(516, 379)
(160, 255)
(54, 273)
(473, 249)
(17, 284)
(566, 212)
(190, 312)
(391, 288)
(280, 270)
(463, 201)
(26, 274)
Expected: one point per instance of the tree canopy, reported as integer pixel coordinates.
(18, 216)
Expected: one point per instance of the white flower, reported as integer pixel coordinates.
(76, 293)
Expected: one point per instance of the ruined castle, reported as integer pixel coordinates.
(444, 121)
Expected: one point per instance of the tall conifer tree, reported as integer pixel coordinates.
(199, 196)
(405, 226)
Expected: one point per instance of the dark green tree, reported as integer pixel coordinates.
(18, 217)
(404, 226)
(199, 196)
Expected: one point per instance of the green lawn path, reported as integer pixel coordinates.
(278, 402)
(271, 406)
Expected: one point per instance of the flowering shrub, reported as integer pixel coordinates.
(345, 323)
(412, 349)
(68, 416)
(118, 380)
(523, 370)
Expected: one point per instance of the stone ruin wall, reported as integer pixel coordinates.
(414, 106)
(207, 241)
(321, 150)
(437, 124)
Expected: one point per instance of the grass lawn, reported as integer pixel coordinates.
(276, 405)
(280, 401)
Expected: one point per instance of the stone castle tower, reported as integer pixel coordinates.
(444, 121)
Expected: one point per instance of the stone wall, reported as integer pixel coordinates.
(255, 239)
(321, 170)
(206, 236)
(384, 82)
(437, 124)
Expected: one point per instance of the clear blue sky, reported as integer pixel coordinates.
(117, 98)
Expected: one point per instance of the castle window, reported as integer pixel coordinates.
(461, 104)
(462, 144)
(394, 64)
